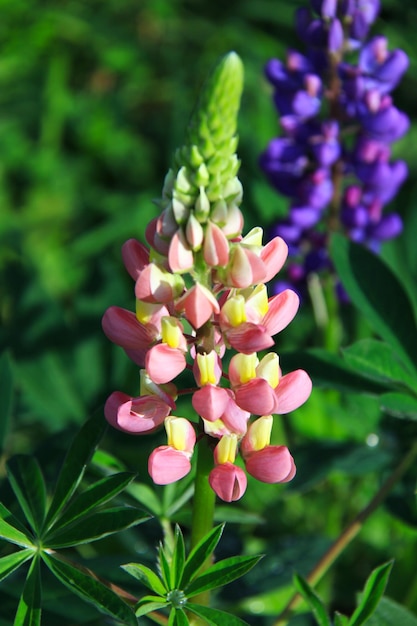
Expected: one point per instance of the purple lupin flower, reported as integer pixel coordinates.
(338, 121)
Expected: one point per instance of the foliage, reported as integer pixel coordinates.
(94, 99)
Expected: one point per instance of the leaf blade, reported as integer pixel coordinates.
(95, 527)
(11, 562)
(146, 576)
(221, 573)
(372, 593)
(29, 608)
(75, 462)
(90, 589)
(313, 600)
(26, 479)
(215, 617)
(200, 553)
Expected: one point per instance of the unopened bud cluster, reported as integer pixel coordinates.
(200, 292)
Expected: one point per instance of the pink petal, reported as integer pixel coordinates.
(274, 255)
(157, 285)
(135, 415)
(228, 481)
(180, 255)
(292, 391)
(199, 304)
(249, 337)
(245, 268)
(235, 418)
(135, 256)
(210, 402)
(273, 464)
(216, 246)
(122, 327)
(282, 310)
(163, 363)
(256, 396)
(167, 465)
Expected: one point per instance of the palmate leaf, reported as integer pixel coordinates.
(79, 454)
(313, 600)
(221, 573)
(200, 553)
(372, 593)
(378, 361)
(376, 291)
(95, 495)
(331, 371)
(95, 526)
(146, 576)
(215, 617)
(90, 589)
(28, 484)
(11, 562)
(29, 608)
(12, 530)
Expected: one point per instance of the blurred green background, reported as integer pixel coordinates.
(94, 98)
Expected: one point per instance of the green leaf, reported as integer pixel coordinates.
(12, 530)
(148, 604)
(95, 526)
(180, 618)
(378, 360)
(378, 294)
(95, 495)
(200, 553)
(214, 617)
(178, 558)
(11, 562)
(90, 589)
(146, 576)
(313, 600)
(28, 484)
(340, 620)
(222, 573)
(330, 371)
(79, 454)
(389, 613)
(399, 405)
(372, 593)
(29, 608)
(6, 395)
(164, 567)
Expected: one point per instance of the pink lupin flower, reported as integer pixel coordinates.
(156, 284)
(226, 479)
(215, 246)
(166, 360)
(269, 464)
(123, 328)
(180, 254)
(135, 257)
(170, 463)
(198, 304)
(136, 415)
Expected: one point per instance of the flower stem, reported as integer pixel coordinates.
(349, 533)
(203, 504)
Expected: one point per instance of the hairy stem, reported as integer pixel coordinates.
(349, 533)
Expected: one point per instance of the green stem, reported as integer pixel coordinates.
(349, 533)
(203, 504)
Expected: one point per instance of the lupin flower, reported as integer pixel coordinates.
(200, 291)
(338, 122)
